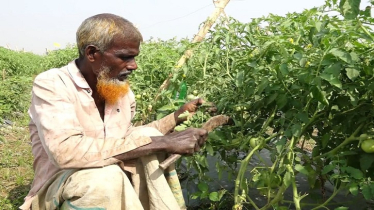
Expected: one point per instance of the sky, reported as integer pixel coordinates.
(35, 25)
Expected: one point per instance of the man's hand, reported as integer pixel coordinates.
(185, 142)
(191, 107)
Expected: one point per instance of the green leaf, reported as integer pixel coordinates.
(328, 168)
(280, 144)
(354, 172)
(209, 149)
(221, 193)
(344, 56)
(350, 8)
(367, 12)
(341, 208)
(239, 79)
(352, 73)
(213, 196)
(302, 62)
(264, 83)
(366, 191)
(203, 187)
(353, 188)
(366, 161)
(160, 115)
(284, 69)
(325, 140)
(296, 130)
(213, 135)
(331, 75)
(196, 195)
(301, 169)
(317, 94)
(332, 80)
(168, 107)
(181, 127)
(372, 188)
(184, 115)
(302, 117)
(270, 99)
(281, 101)
(354, 57)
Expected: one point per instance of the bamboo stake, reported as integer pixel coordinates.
(220, 6)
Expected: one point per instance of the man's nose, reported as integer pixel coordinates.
(132, 65)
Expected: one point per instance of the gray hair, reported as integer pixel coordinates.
(100, 30)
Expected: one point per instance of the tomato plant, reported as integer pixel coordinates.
(305, 77)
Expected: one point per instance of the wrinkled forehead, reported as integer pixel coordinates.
(125, 45)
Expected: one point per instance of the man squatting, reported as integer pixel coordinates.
(87, 154)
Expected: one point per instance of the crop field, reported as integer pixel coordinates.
(298, 87)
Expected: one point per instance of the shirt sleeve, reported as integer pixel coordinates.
(164, 125)
(53, 112)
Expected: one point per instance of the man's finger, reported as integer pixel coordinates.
(202, 132)
(199, 101)
(197, 147)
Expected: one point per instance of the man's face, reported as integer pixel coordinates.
(118, 62)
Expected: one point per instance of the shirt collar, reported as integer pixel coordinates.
(77, 76)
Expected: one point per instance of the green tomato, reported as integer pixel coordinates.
(363, 136)
(150, 107)
(190, 97)
(195, 92)
(254, 142)
(368, 146)
(138, 96)
(240, 108)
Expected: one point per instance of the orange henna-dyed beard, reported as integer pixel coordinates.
(111, 89)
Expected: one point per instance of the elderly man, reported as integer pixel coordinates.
(87, 154)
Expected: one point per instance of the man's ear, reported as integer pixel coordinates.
(91, 52)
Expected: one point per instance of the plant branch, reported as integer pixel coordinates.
(345, 142)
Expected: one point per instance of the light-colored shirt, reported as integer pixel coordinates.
(67, 131)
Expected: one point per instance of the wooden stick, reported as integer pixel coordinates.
(211, 124)
(220, 6)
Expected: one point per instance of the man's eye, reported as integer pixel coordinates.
(126, 58)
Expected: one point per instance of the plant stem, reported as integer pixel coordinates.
(252, 203)
(268, 121)
(296, 198)
(310, 122)
(365, 30)
(336, 191)
(277, 198)
(345, 142)
(242, 170)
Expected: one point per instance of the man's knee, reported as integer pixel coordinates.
(104, 181)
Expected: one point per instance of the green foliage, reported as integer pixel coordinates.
(350, 8)
(19, 63)
(15, 96)
(59, 58)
